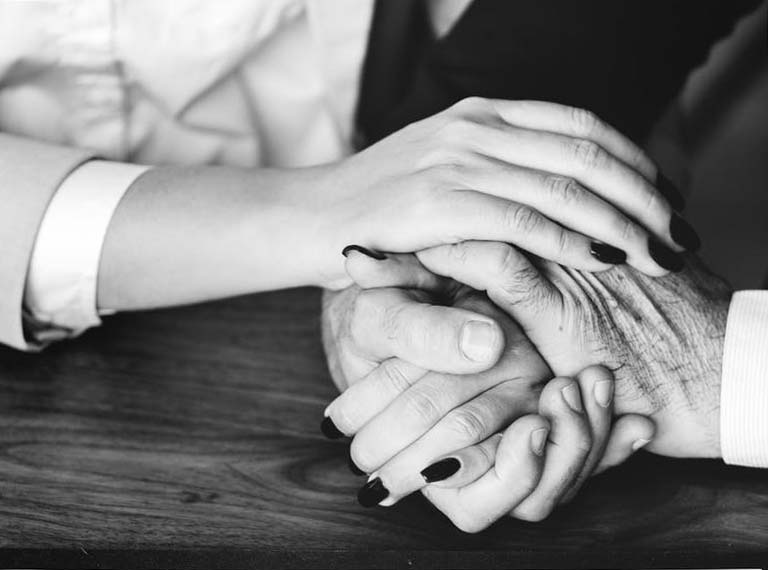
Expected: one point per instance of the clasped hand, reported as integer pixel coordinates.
(446, 357)
(663, 338)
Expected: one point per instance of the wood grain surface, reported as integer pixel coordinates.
(189, 438)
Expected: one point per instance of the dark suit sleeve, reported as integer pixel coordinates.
(624, 60)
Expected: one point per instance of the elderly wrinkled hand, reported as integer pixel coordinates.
(662, 337)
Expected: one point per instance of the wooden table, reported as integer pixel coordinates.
(189, 438)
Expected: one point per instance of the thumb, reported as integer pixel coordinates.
(510, 279)
(370, 269)
(629, 434)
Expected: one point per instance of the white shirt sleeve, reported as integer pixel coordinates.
(744, 390)
(60, 294)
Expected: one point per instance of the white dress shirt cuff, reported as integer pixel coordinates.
(744, 391)
(60, 294)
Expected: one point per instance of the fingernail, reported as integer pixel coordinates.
(539, 440)
(664, 256)
(477, 340)
(572, 397)
(441, 470)
(604, 392)
(354, 468)
(330, 430)
(640, 443)
(365, 251)
(607, 253)
(684, 234)
(670, 192)
(372, 493)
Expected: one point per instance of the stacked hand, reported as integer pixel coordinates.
(662, 337)
(551, 179)
(436, 371)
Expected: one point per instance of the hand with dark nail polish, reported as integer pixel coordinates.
(670, 192)
(684, 234)
(607, 253)
(372, 493)
(330, 430)
(441, 470)
(665, 257)
(377, 255)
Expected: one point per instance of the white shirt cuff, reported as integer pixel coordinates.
(744, 390)
(60, 294)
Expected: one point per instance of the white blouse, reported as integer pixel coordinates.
(246, 83)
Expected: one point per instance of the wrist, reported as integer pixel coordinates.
(328, 221)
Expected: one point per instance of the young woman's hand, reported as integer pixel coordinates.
(553, 180)
(540, 460)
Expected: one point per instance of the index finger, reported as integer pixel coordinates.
(576, 122)
(389, 323)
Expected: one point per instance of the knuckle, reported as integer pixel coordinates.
(423, 404)
(471, 104)
(450, 174)
(588, 154)
(513, 277)
(458, 130)
(524, 219)
(458, 253)
(585, 121)
(563, 189)
(500, 258)
(563, 243)
(395, 376)
(652, 202)
(626, 229)
(439, 153)
(467, 425)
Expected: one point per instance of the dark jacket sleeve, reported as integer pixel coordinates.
(624, 60)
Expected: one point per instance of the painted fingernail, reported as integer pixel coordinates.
(330, 430)
(441, 470)
(572, 397)
(354, 468)
(539, 440)
(664, 256)
(684, 234)
(670, 192)
(365, 251)
(372, 493)
(478, 340)
(604, 392)
(640, 443)
(607, 253)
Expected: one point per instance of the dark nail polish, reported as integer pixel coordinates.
(372, 493)
(684, 234)
(330, 430)
(664, 256)
(670, 192)
(441, 470)
(354, 468)
(365, 251)
(607, 253)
